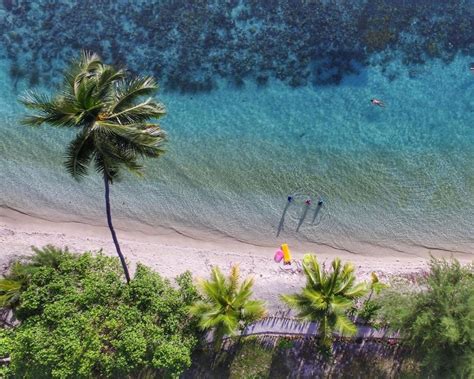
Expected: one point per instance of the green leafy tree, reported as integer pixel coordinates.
(436, 320)
(16, 280)
(327, 297)
(79, 319)
(227, 306)
(112, 118)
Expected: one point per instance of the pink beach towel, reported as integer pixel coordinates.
(278, 256)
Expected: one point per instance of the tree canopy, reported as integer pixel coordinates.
(80, 320)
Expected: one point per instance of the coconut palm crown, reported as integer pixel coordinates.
(327, 297)
(112, 114)
(227, 306)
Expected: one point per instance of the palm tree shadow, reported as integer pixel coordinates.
(282, 219)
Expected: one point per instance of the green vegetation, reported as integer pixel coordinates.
(370, 307)
(437, 321)
(80, 320)
(19, 274)
(252, 361)
(327, 297)
(226, 306)
(112, 119)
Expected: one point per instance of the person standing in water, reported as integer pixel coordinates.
(377, 102)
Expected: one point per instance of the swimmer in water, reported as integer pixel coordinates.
(377, 102)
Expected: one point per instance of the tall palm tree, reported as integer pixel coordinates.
(112, 118)
(327, 297)
(227, 306)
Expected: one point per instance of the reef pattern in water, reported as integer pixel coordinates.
(189, 44)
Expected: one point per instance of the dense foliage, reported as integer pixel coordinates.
(227, 305)
(327, 297)
(437, 321)
(79, 319)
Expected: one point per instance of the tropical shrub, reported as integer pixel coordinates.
(327, 297)
(437, 319)
(5, 349)
(226, 307)
(79, 319)
(370, 307)
(16, 280)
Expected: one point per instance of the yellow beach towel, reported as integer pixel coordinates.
(286, 253)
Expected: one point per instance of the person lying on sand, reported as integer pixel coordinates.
(377, 102)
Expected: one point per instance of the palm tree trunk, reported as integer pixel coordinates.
(111, 227)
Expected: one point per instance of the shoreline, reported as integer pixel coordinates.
(171, 252)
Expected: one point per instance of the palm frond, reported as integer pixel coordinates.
(107, 81)
(253, 310)
(315, 298)
(128, 91)
(48, 256)
(105, 165)
(138, 135)
(345, 326)
(233, 279)
(79, 154)
(56, 112)
(138, 113)
(357, 291)
(9, 292)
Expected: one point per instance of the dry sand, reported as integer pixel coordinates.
(171, 252)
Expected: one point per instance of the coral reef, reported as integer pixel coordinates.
(190, 44)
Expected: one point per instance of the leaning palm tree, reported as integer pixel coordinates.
(112, 119)
(227, 306)
(327, 297)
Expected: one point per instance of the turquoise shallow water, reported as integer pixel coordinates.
(265, 99)
(398, 177)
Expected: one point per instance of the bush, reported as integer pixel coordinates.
(437, 320)
(80, 320)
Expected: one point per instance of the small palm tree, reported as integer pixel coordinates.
(327, 297)
(227, 306)
(112, 119)
(10, 291)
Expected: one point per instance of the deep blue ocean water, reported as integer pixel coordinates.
(397, 178)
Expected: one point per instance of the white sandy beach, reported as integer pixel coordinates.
(171, 252)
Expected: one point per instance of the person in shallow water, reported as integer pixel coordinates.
(377, 102)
